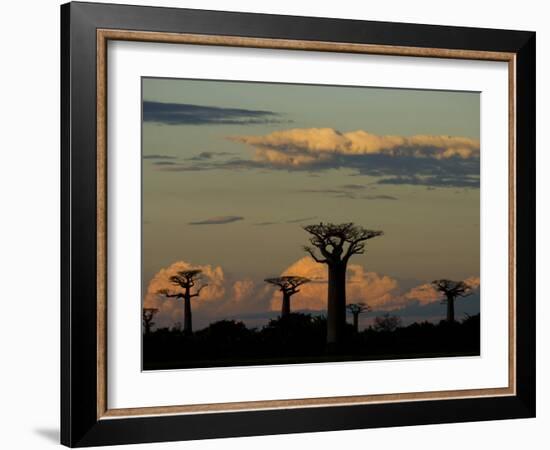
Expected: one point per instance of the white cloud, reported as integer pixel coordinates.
(304, 146)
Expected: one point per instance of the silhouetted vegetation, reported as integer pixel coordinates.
(301, 338)
(147, 317)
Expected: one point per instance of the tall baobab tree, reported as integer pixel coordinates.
(186, 280)
(335, 244)
(288, 285)
(452, 290)
(147, 315)
(356, 309)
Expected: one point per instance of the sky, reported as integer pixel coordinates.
(232, 171)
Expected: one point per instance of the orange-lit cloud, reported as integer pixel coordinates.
(226, 298)
(172, 309)
(427, 293)
(379, 291)
(304, 146)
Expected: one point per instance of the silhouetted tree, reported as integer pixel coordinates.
(356, 309)
(387, 323)
(288, 285)
(147, 315)
(337, 243)
(186, 279)
(452, 290)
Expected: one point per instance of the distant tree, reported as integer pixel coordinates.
(177, 327)
(147, 316)
(452, 290)
(387, 323)
(334, 245)
(288, 285)
(356, 309)
(186, 280)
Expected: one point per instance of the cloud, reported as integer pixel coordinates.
(302, 219)
(202, 156)
(220, 220)
(306, 145)
(254, 301)
(432, 181)
(353, 187)
(426, 293)
(421, 159)
(289, 221)
(222, 298)
(362, 286)
(157, 156)
(188, 114)
(171, 310)
(378, 197)
(348, 191)
(424, 160)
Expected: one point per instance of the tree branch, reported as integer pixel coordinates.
(312, 254)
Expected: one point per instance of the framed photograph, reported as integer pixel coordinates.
(276, 224)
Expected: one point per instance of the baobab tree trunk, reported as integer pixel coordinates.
(336, 311)
(187, 320)
(356, 322)
(285, 312)
(450, 309)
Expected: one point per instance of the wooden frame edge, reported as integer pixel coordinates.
(103, 36)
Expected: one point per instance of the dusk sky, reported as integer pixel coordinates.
(233, 170)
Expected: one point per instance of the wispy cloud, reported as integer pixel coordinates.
(188, 114)
(436, 180)
(220, 220)
(378, 197)
(159, 157)
(203, 156)
(289, 221)
(348, 191)
(302, 219)
(354, 187)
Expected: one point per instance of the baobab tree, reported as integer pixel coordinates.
(288, 285)
(452, 290)
(186, 280)
(356, 309)
(147, 316)
(335, 244)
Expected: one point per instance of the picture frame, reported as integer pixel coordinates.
(86, 418)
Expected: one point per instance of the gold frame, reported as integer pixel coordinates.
(103, 36)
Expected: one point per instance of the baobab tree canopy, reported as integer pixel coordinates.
(452, 288)
(186, 278)
(358, 308)
(337, 242)
(288, 283)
